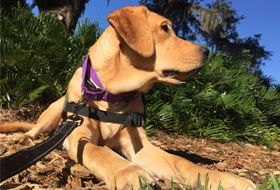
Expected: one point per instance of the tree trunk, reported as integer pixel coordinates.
(68, 11)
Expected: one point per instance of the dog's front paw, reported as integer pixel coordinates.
(229, 181)
(23, 139)
(128, 177)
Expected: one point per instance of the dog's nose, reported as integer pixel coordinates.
(205, 50)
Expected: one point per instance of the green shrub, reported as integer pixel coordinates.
(39, 56)
(225, 102)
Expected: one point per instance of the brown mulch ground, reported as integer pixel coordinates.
(56, 171)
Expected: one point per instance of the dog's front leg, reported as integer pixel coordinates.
(169, 166)
(47, 122)
(104, 163)
(166, 165)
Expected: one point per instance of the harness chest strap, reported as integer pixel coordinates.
(134, 119)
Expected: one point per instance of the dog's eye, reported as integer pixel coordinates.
(165, 28)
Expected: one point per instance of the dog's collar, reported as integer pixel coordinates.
(95, 91)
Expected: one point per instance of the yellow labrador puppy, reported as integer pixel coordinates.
(138, 49)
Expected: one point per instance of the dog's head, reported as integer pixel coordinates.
(141, 48)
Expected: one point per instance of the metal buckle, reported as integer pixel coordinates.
(75, 116)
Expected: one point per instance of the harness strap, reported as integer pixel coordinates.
(96, 92)
(132, 119)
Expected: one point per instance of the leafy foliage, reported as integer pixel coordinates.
(226, 102)
(38, 55)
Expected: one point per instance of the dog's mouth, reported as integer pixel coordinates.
(176, 77)
(170, 73)
(180, 75)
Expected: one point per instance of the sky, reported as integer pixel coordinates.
(261, 17)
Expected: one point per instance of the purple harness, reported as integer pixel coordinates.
(96, 92)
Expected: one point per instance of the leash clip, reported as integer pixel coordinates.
(75, 116)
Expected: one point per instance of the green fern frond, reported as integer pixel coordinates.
(41, 54)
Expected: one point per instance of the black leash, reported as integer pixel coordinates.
(24, 158)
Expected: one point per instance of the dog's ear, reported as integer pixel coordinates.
(132, 25)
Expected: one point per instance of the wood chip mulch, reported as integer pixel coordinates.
(57, 171)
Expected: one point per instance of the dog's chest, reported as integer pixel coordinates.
(109, 130)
